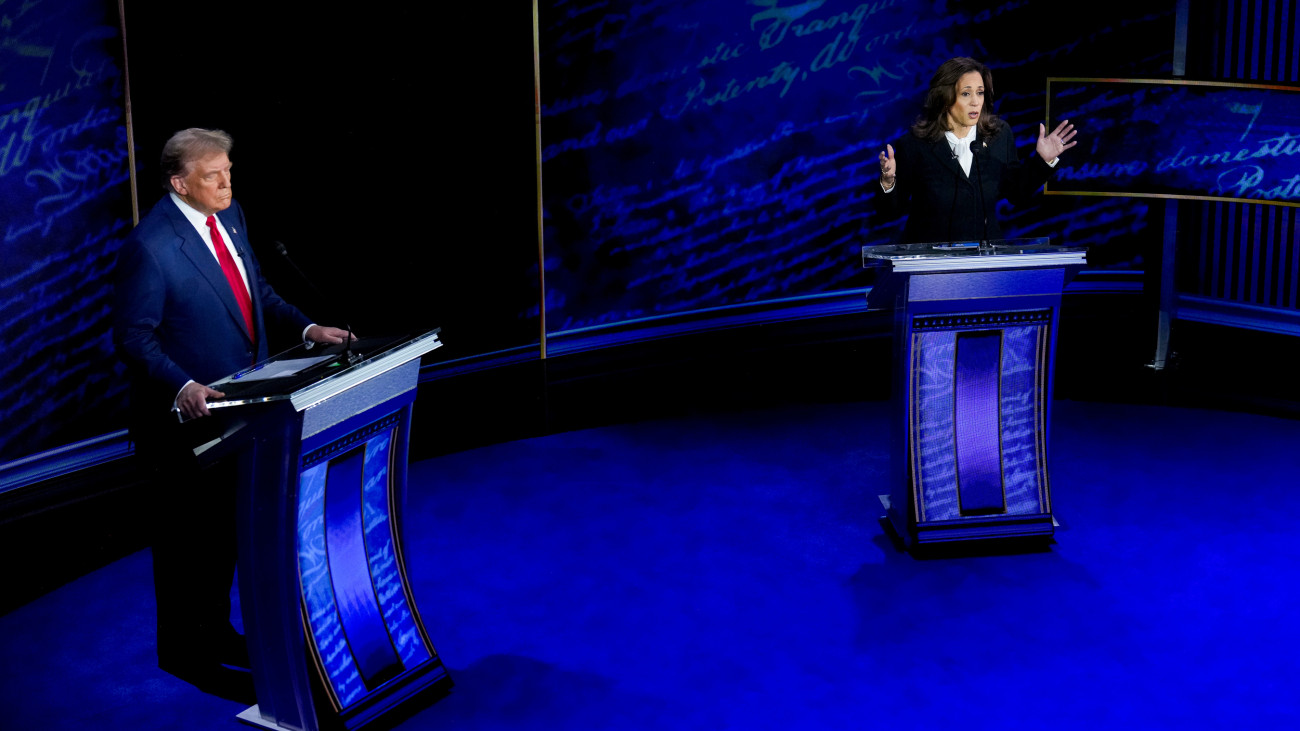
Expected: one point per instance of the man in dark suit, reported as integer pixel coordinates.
(191, 306)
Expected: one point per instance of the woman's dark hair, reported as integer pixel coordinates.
(933, 120)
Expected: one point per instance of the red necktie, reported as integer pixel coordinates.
(232, 276)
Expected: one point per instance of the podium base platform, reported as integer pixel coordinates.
(1007, 532)
(405, 704)
(253, 717)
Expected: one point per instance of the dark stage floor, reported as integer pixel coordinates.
(727, 571)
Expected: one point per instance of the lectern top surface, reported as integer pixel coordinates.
(301, 369)
(956, 255)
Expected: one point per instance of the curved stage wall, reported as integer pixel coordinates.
(704, 165)
(65, 207)
(698, 156)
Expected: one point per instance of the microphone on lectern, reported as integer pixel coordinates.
(348, 355)
(977, 146)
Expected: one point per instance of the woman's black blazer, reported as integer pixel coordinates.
(942, 203)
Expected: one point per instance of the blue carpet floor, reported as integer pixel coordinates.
(728, 572)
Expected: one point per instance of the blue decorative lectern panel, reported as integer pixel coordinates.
(325, 630)
(382, 552)
(359, 617)
(1024, 419)
(990, 381)
(934, 464)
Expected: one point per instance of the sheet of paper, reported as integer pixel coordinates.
(276, 369)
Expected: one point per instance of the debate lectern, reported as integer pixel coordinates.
(974, 336)
(320, 437)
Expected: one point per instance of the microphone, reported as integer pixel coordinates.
(975, 147)
(348, 355)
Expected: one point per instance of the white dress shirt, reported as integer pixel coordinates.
(961, 148)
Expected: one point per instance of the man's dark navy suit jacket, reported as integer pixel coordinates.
(175, 318)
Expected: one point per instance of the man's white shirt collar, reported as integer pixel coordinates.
(200, 223)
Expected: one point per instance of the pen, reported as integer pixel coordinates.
(241, 374)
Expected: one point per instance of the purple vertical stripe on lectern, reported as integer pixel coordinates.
(976, 413)
(363, 625)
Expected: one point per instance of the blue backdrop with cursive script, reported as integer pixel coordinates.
(65, 206)
(695, 155)
(704, 154)
(1220, 141)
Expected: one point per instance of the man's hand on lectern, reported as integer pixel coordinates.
(193, 400)
(328, 335)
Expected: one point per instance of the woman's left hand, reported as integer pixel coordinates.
(1051, 146)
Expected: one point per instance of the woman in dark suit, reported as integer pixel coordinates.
(959, 160)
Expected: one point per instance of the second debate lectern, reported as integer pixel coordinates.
(320, 439)
(974, 337)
